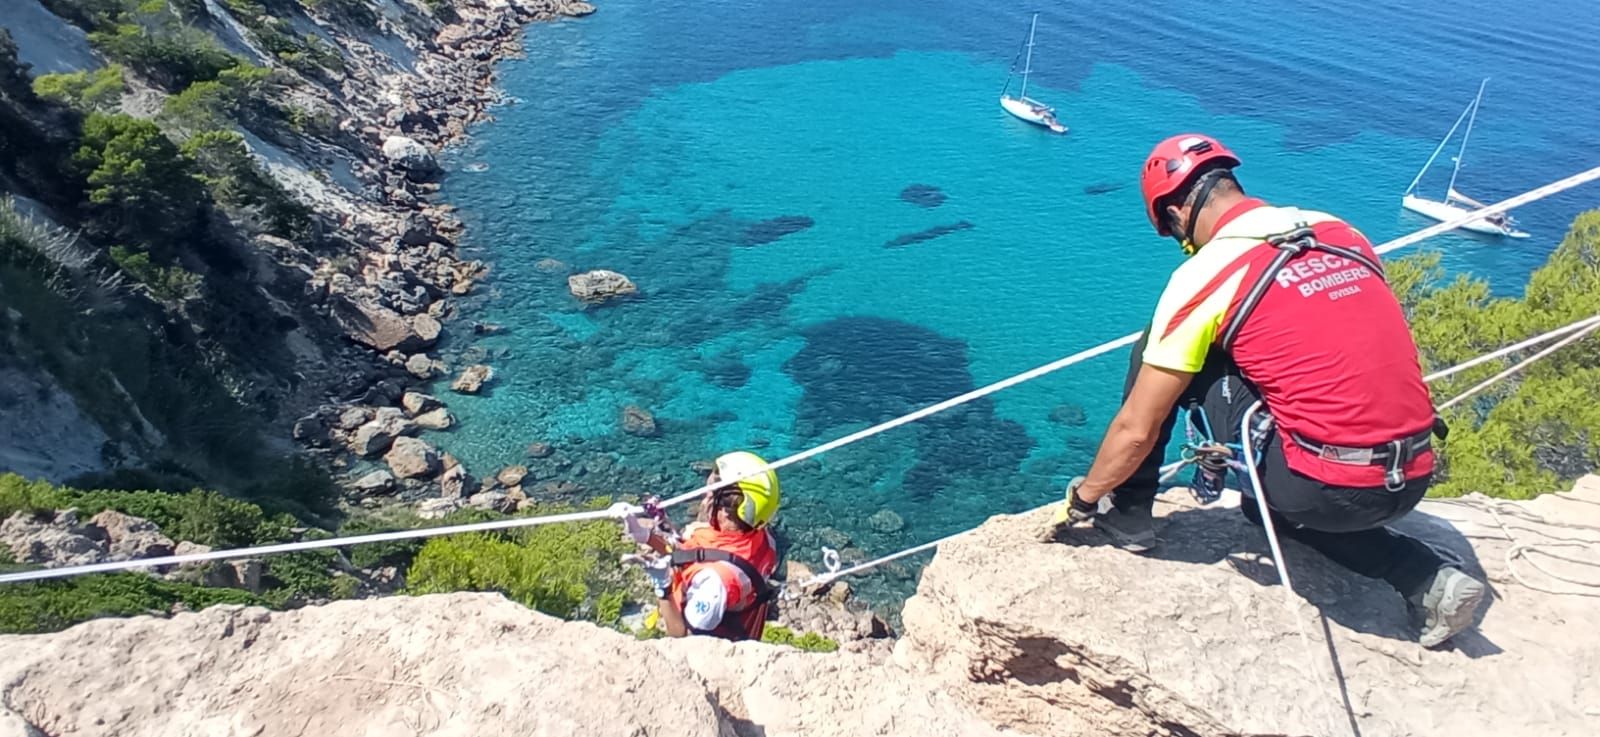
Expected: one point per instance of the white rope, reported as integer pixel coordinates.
(1508, 350)
(333, 542)
(1084, 355)
(1520, 549)
(1520, 365)
(932, 409)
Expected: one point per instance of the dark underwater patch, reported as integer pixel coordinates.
(1104, 188)
(923, 195)
(772, 229)
(856, 371)
(929, 234)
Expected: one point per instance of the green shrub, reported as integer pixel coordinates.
(1532, 433)
(204, 517)
(169, 284)
(84, 91)
(54, 605)
(809, 642)
(170, 53)
(140, 187)
(566, 570)
(237, 181)
(300, 576)
(18, 494)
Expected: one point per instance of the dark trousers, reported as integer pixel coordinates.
(1346, 524)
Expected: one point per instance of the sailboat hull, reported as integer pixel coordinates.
(1032, 112)
(1445, 212)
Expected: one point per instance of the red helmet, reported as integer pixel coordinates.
(1173, 163)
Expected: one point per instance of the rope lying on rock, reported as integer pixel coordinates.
(614, 513)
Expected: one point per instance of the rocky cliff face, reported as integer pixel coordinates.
(343, 312)
(1008, 634)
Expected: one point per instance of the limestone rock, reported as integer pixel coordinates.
(540, 450)
(416, 230)
(408, 155)
(596, 287)
(495, 501)
(312, 430)
(354, 417)
(379, 433)
(129, 537)
(472, 379)
(455, 483)
(377, 482)
(57, 541)
(512, 476)
(1007, 635)
(426, 328)
(420, 366)
(411, 458)
(576, 9)
(383, 329)
(435, 419)
(437, 508)
(415, 403)
(549, 266)
(1195, 634)
(638, 421)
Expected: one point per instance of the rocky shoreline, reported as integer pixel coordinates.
(393, 293)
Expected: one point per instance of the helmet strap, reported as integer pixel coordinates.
(1196, 201)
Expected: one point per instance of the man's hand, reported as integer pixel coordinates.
(1075, 510)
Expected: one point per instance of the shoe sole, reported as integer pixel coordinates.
(1456, 611)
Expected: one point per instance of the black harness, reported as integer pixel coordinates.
(731, 628)
(1393, 455)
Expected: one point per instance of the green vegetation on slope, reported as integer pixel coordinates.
(567, 570)
(1538, 431)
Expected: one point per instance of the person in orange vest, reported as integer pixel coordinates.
(1288, 308)
(717, 581)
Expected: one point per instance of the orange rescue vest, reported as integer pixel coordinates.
(743, 561)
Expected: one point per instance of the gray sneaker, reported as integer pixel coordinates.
(1131, 529)
(1448, 606)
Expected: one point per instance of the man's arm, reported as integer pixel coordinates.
(1132, 434)
(672, 619)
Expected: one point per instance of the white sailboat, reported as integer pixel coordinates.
(1455, 205)
(1022, 106)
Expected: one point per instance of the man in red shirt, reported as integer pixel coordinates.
(1288, 307)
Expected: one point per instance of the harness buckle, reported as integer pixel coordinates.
(1294, 241)
(1394, 472)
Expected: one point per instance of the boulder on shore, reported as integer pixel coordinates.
(472, 379)
(438, 418)
(456, 483)
(415, 403)
(377, 482)
(383, 329)
(421, 366)
(379, 433)
(600, 286)
(411, 458)
(411, 157)
(511, 476)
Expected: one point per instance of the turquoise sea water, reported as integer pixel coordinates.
(660, 140)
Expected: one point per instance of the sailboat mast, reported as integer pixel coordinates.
(1027, 66)
(1464, 136)
(1439, 148)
